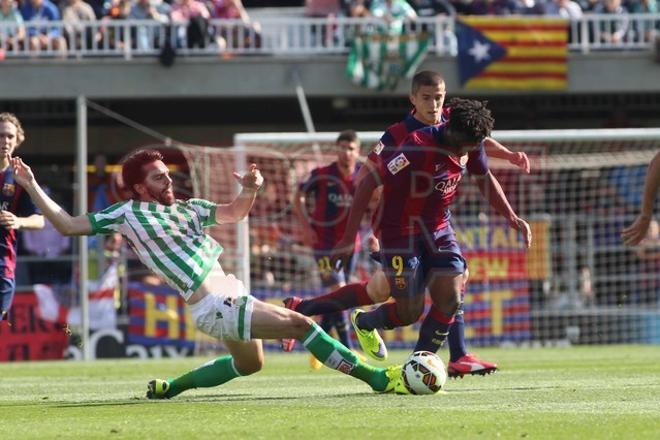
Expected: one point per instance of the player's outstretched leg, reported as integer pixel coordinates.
(246, 358)
(272, 322)
(344, 298)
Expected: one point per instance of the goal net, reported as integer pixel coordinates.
(577, 284)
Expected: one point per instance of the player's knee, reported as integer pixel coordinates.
(453, 306)
(300, 325)
(250, 366)
(378, 293)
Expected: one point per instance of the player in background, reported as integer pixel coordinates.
(419, 249)
(168, 237)
(634, 233)
(427, 97)
(329, 191)
(16, 210)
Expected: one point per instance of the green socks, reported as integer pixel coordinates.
(336, 356)
(212, 373)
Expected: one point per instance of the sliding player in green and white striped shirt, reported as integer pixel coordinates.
(168, 236)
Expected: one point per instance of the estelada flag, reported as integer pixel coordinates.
(520, 53)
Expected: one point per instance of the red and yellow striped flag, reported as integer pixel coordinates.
(531, 53)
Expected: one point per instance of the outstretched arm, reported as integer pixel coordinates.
(62, 220)
(492, 191)
(11, 221)
(241, 205)
(309, 235)
(495, 149)
(634, 233)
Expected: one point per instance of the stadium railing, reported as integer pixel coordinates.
(290, 36)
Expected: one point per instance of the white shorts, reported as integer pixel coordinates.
(225, 316)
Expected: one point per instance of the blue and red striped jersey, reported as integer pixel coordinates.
(331, 197)
(13, 199)
(396, 133)
(420, 179)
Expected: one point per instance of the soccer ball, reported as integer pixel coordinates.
(424, 373)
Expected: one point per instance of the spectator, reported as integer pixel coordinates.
(100, 7)
(357, 8)
(148, 10)
(431, 8)
(184, 10)
(589, 5)
(615, 30)
(119, 9)
(43, 38)
(569, 10)
(565, 9)
(493, 7)
(531, 7)
(74, 15)
(196, 31)
(645, 29)
(394, 12)
(234, 10)
(11, 36)
(322, 8)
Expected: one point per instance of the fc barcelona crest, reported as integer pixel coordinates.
(400, 283)
(8, 189)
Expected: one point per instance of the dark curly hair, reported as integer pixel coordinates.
(470, 118)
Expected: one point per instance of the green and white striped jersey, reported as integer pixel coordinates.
(169, 240)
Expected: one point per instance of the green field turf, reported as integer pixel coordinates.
(578, 392)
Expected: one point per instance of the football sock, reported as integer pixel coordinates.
(434, 330)
(212, 373)
(456, 338)
(384, 316)
(340, 324)
(336, 356)
(341, 327)
(347, 297)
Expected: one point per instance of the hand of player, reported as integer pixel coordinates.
(523, 227)
(22, 173)
(341, 253)
(252, 179)
(521, 160)
(373, 244)
(8, 220)
(634, 233)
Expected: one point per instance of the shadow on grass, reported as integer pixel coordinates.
(185, 399)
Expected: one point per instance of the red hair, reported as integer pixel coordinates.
(132, 169)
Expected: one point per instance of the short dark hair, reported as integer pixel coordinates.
(132, 167)
(426, 78)
(348, 136)
(11, 118)
(471, 118)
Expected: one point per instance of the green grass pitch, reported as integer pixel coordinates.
(577, 392)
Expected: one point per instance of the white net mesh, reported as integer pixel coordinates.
(578, 283)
